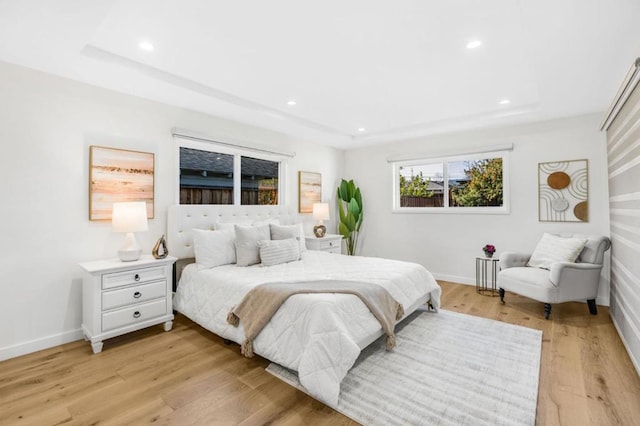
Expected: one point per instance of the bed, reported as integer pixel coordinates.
(318, 335)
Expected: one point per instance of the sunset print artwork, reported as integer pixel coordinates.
(117, 175)
(309, 191)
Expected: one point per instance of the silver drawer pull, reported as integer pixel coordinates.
(136, 314)
(137, 295)
(331, 243)
(137, 277)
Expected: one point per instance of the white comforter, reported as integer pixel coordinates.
(318, 335)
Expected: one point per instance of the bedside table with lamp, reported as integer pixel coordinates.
(321, 241)
(128, 293)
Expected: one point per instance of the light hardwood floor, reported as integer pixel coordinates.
(189, 376)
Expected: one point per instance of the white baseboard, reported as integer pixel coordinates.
(454, 279)
(39, 344)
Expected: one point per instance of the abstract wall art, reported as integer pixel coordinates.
(309, 191)
(563, 191)
(117, 175)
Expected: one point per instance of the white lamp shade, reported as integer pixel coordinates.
(321, 211)
(129, 217)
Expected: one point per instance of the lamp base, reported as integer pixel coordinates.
(130, 250)
(129, 255)
(319, 231)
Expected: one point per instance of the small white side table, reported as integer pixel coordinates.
(331, 243)
(487, 273)
(121, 297)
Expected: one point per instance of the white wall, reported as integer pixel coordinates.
(46, 127)
(447, 244)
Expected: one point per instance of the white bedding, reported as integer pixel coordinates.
(318, 335)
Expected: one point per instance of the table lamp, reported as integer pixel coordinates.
(129, 217)
(320, 213)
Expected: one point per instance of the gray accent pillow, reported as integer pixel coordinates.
(284, 232)
(275, 252)
(247, 238)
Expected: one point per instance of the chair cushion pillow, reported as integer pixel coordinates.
(553, 249)
(275, 252)
(213, 248)
(247, 238)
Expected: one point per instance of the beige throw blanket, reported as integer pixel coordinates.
(264, 300)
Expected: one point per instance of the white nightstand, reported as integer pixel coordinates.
(120, 297)
(331, 243)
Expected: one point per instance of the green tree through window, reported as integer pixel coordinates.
(484, 187)
(415, 186)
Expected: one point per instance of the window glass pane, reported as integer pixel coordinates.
(422, 185)
(205, 177)
(259, 181)
(476, 183)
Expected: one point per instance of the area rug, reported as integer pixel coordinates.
(447, 369)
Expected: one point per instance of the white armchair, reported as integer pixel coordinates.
(564, 282)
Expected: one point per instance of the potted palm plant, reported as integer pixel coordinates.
(350, 208)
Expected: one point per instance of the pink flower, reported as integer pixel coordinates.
(489, 248)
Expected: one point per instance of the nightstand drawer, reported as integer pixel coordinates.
(136, 294)
(133, 314)
(119, 279)
(328, 244)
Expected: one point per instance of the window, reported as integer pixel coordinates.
(205, 177)
(259, 181)
(220, 175)
(472, 183)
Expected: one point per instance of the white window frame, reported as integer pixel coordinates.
(224, 148)
(446, 209)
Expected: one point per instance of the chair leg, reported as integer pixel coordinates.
(547, 310)
(501, 293)
(593, 309)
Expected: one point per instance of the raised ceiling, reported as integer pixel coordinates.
(395, 69)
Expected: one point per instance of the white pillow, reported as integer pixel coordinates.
(247, 238)
(553, 248)
(230, 226)
(213, 248)
(275, 252)
(284, 232)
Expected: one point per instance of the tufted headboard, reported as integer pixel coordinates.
(183, 218)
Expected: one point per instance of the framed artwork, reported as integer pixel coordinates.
(309, 191)
(563, 191)
(117, 175)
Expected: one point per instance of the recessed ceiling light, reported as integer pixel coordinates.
(504, 102)
(145, 45)
(292, 103)
(361, 129)
(473, 44)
